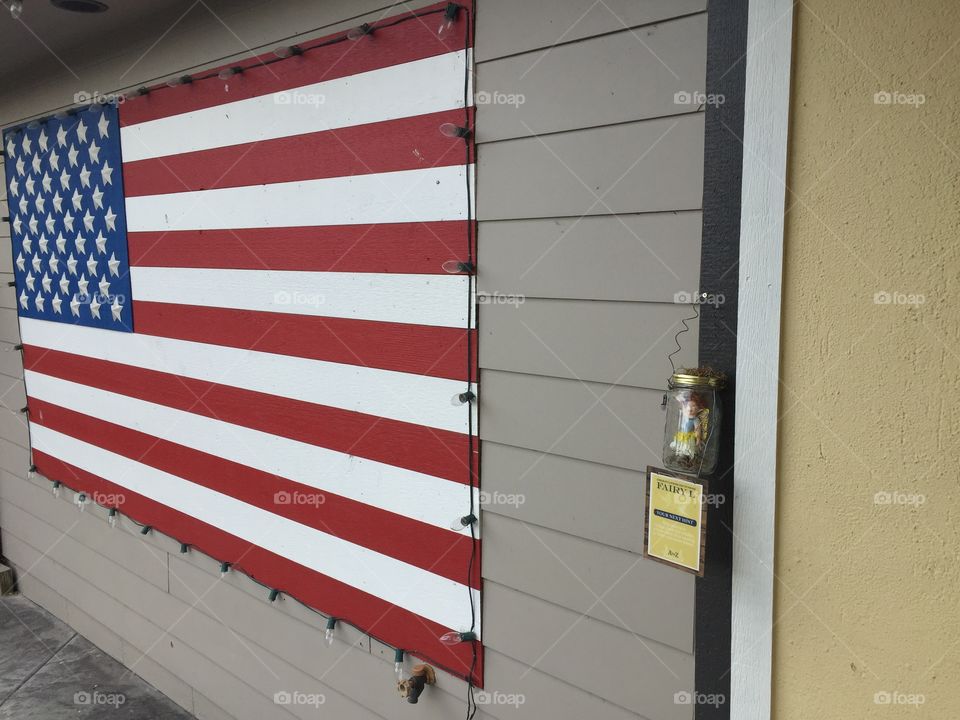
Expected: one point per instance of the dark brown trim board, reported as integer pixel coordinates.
(719, 276)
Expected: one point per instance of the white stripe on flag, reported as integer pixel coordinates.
(430, 194)
(437, 300)
(419, 87)
(415, 495)
(406, 397)
(424, 593)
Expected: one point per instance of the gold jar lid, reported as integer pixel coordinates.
(682, 379)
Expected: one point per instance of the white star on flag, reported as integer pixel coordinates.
(92, 265)
(72, 265)
(39, 203)
(61, 242)
(95, 307)
(24, 203)
(103, 125)
(97, 196)
(35, 263)
(88, 221)
(62, 137)
(11, 148)
(82, 283)
(81, 132)
(81, 242)
(116, 309)
(58, 203)
(64, 180)
(29, 182)
(68, 221)
(64, 284)
(85, 176)
(27, 243)
(77, 199)
(110, 219)
(101, 242)
(45, 282)
(104, 285)
(54, 264)
(26, 144)
(17, 223)
(75, 306)
(94, 152)
(35, 163)
(38, 301)
(43, 243)
(20, 166)
(21, 263)
(114, 265)
(14, 187)
(72, 155)
(47, 182)
(33, 224)
(43, 140)
(24, 300)
(54, 160)
(49, 223)
(56, 302)
(107, 174)
(30, 280)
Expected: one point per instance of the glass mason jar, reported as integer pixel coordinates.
(691, 435)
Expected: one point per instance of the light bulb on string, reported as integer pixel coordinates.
(454, 131)
(359, 32)
(328, 633)
(112, 517)
(286, 51)
(398, 663)
(455, 638)
(81, 501)
(16, 9)
(224, 569)
(274, 594)
(145, 530)
(184, 548)
(463, 398)
(182, 80)
(56, 488)
(449, 18)
(32, 470)
(456, 267)
(229, 72)
(462, 522)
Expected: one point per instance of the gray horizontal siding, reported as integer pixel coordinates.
(602, 257)
(569, 389)
(584, 84)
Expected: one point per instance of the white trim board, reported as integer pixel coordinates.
(766, 116)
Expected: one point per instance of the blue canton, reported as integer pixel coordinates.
(67, 220)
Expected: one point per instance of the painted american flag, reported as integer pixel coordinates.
(234, 316)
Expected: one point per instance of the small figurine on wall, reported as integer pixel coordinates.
(691, 434)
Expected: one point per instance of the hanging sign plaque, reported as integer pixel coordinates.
(675, 522)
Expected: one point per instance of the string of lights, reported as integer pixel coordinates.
(450, 14)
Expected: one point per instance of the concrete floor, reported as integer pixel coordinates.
(49, 672)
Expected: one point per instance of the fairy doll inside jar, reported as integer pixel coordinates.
(690, 438)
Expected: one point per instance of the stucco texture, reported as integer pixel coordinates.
(867, 604)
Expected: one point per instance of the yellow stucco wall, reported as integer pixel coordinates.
(868, 522)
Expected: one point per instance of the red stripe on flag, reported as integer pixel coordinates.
(440, 453)
(397, 627)
(409, 143)
(411, 248)
(426, 546)
(402, 43)
(419, 349)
